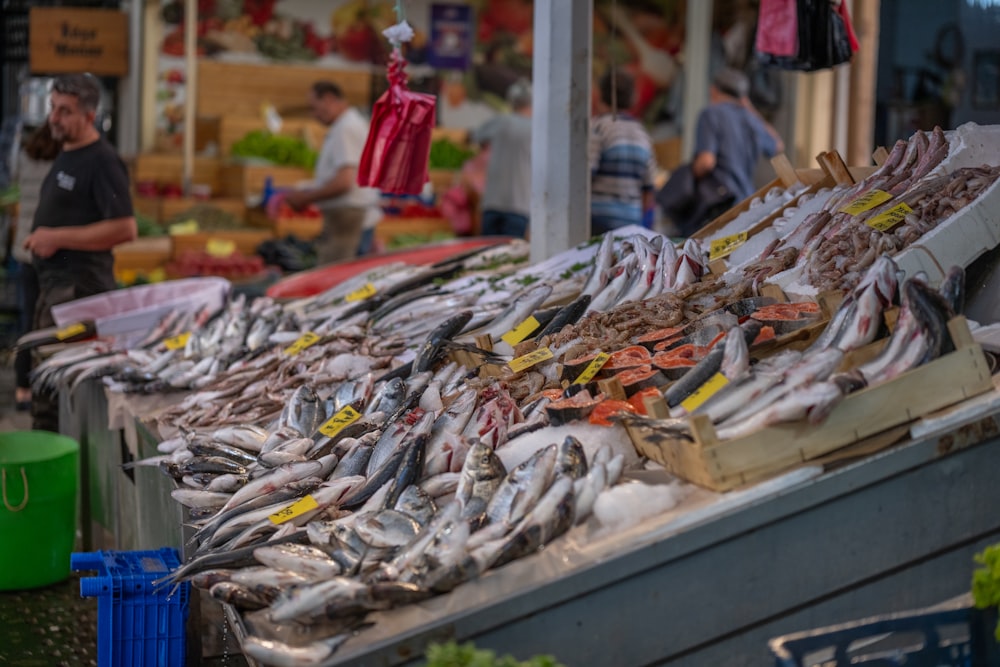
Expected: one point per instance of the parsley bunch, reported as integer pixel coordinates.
(467, 655)
(986, 581)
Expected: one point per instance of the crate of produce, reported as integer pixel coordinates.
(243, 241)
(871, 416)
(950, 635)
(247, 180)
(139, 624)
(172, 208)
(164, 169)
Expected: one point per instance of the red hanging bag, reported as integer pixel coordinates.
(399, 140)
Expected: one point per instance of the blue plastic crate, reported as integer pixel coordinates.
(138, 624)
(960, 636)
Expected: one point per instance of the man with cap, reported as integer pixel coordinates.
(731, 136)
(507, 194)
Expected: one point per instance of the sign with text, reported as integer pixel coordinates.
(66, 40)
(451, 36)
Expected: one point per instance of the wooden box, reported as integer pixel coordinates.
(169, 168)
(246, 240)
(861, 416)
(391, 227)
(144, 254)
(442, 179)
(171, 206)
(240, 180)
(232, 128)
(151, 207)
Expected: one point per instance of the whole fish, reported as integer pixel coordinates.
(599, 274)
(295, 446)
(391, 440)
(522, 487)
(278, 436)
(572, 460)
(586, 490)
(481, 475)
(209, 448)
(446, 446)
(696, 377)
(820, 396)
(279, 654)
(568, 314)
(275, 479)
(386, 528)
(389, 397)
(417, 504)
(285, 494)
(410, 468)
(227, 483)
(239, 596)
(308, 561)
(217, 464)
(428, 353)
(199, 498)
(232, 559)
(519, 309)
(608, 297)
(355, 461)
(303, 411)
(953, 289)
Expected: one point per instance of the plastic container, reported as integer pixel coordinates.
(961, 636)
(139, 308)
(39, 475)
(309, 283)
(138, 624)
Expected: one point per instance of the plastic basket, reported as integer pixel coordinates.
(138, 625)
(947, 636)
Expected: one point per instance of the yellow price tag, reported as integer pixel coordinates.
(181, 228)
(339, 421)
(70, 331)
(302, 506)
(362, 293)
(520, 332)
(307, 339)
(592, 369)
(220, 247)
(724, 247)
(866, 202)
(704, 392)
(528, 360)
(178, 342)
(886, 220)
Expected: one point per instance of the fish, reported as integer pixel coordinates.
(428, 353)
(520, 308)
(522, 487)
(275, 479)
(199, 498)
(695, 378)
(586, 489)
(308, 602)
(481, 475)
(603, 260)
(820, 396)
(282, 434)
(205, 580)
(608, 297)
(567, 315)
(953, 289)
(308, 561)
(410, 468)
(230, 559)
(388, 398)
(280, 654)
(303, 412)
(239, 596)
(386, 528)
(736, 395)
(572, 460)
(446, 443)
(355, 461)
(417, 504)
(217, 464)
(210, 448)
(294, 447)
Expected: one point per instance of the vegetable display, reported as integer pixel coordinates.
(277, 148)
(446, 154)
(986, 581)
(453, 654)
(209, 218)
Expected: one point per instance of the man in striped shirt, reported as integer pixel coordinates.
(622, 164)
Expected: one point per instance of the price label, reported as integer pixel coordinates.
(302, 506)
(520, 332)
(725, 246)
(362, 293)
(178, 342)
(528, 360)
(886, 220)
(220, 247)
(72, 330)
(181, 228)
(592, 369)
(866, 202)
(704, 392)
(339, 421)
(307, 339)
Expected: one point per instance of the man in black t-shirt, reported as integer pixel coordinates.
(84, 210)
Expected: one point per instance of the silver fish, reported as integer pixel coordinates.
(417, 504)
(278, 436)
(199, 497)
(603, 259)
(303, 412)
(522, 487)
(572, 460)
(308, 602)
(795, 405)
(481, 475)
(586, 490)
(239, 596)
(526, 303)
(279, 654)
(387, 528)
(389, 397)
(308, 561)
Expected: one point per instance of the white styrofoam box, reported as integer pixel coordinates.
(971, 145)
(141, 307)
(959, 240)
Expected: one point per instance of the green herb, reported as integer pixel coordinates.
(453, 654)
(446, 154)
(527, 280)
(986, 581)
(277, 148)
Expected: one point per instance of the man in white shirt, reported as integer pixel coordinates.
(350, 212)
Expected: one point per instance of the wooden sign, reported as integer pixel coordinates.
(64, 40)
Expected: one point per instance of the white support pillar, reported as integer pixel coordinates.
(130, 88)
(560, 126)
(697, 50)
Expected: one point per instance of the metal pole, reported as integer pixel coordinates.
(130, 116)
(560, 127)
(697, 48)
(190, 87)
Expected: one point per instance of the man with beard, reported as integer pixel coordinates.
(84, 210)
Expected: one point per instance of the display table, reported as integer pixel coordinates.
(707, 583)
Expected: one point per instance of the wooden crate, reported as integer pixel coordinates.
(151, 207)
(232, 128)
(144, 254)
(242, 88)
(390, 227)
(442, 179)
(240, 180)
(246, 240)
(861, 416)
(171, 206)
(169, 168)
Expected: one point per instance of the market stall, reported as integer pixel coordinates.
(789, 415)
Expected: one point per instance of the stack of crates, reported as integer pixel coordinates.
(139, 624)
(934, 637)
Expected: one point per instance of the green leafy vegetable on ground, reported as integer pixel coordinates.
(453, 654)
(278, 148)
(986, 581)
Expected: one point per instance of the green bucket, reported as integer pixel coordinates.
(39, 473)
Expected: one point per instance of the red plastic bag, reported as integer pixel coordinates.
(399, 141)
